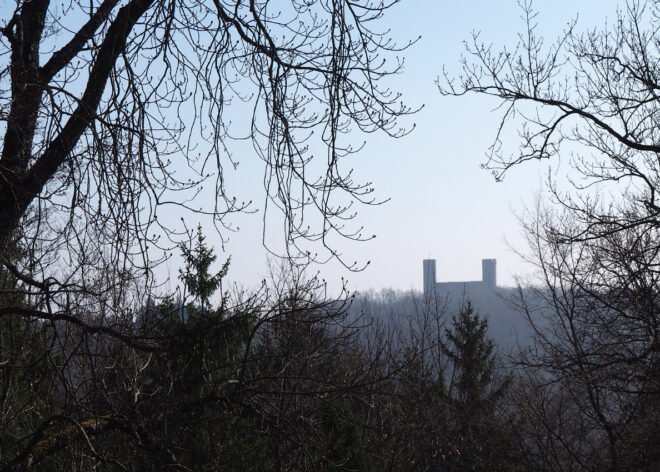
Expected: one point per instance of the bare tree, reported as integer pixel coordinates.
(590, 97)
(267, 381)
(116, 111)
(593, 378)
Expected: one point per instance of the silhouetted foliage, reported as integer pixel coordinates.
(588, 388)
(114, 115)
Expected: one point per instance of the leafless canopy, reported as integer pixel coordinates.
(593, 94)
(114, 111)
(589, 384)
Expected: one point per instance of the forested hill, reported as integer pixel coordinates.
(507, 323)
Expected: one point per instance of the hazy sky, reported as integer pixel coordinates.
(442, 204)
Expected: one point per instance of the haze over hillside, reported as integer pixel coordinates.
(507, 325)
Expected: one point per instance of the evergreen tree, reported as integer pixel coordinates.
(482, 440)
(26, 361)
(471, 352)
(196, 276)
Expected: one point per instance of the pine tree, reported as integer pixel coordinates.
(202, 420)
(482, 441)
(196, 276)
(471, 352)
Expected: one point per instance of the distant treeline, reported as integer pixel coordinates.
(507, 325)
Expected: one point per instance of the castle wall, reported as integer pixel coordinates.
(488, 277)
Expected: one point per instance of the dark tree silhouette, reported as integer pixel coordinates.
(592, 99)
(592, 383)
(592, 95)
(115, 112)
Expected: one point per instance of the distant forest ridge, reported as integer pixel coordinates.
(508, 326)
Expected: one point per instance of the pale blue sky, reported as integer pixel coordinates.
(442, 203)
